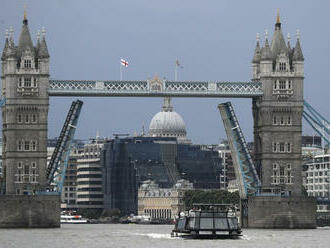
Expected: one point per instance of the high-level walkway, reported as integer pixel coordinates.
(154, 87)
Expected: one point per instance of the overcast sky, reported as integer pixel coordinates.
(213, 39)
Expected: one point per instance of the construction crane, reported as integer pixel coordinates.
(319, 123)
(246, 174)
(59, 161)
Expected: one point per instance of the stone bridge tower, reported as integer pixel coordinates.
(278, 114)
(25, 79)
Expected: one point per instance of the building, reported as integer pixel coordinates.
(278, 114)
(227, 172)
(25, 79)
(318, 181)
(89, 174)
(164, 156)
(162, 203)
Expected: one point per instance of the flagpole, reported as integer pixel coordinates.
(121, 72)
(176, 72)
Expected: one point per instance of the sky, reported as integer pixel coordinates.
(213, 40)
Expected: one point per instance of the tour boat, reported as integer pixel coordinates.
(72, 219)
(208, 221)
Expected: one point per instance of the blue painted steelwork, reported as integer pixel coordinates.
(317, 121)
(58, 164)
(154, 88)
(2, 101)
(245, 171)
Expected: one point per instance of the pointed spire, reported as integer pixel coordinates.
(297, 53)
(167, 106)
(43, 50)
(25, 18)
(289, 39)
(278, 21)
(257, 51)
(266, 53)
(5, 49)
(25, 40)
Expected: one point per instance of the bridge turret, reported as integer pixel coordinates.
(266, 58)
(278, 114)
(256, 59)
(25, 80)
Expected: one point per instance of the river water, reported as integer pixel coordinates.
(145, 236)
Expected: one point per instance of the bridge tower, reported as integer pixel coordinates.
(25, 79)
(278, 113)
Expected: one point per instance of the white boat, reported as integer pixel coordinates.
(72, 219)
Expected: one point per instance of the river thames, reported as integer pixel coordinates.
(145, 236)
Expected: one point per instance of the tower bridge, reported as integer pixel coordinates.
(276, 90)
(154, 88)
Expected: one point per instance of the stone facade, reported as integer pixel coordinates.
(25, 79)
(279, 212)
(22, 211)
(278, 114)
(162, 203)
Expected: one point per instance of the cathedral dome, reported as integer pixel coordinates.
(167, 123)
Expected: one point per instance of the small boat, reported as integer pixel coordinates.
(69, 218)
(208, 221)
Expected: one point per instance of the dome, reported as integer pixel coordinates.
(167, 123)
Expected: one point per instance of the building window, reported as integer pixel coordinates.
(34, 145)
(34, 118)
(282, 120)
(26, 169)
(289, 120)
(290, 84)
(26, 118)
(275, 120)
(288, 147)
(282, 85)
(26, 145)
(282, 66)
(281, 147)
(20, 82)
(19, 165)
(34, 165)
(275, 85)
(27, 63)
(274, 147)
(19, 118)
(20, 145)
(27, 82)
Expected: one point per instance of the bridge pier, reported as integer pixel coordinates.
(281, 212)
(30, 211)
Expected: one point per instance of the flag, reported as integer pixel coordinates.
(177, 63)
(123, 62)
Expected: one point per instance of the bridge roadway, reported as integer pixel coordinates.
(154, 88)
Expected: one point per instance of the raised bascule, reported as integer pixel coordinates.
(276, 90)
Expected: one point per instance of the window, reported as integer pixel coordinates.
(274, 147)
(290, 84)
(288, 147)
(282, 66)
(19, 165)
(34, 118)
(281, 147)
(27, 82)
(19, 82)
(34, 165)
(275, 120)
(275, 85)
(20, 145)
(282, 120)
(282, 85)
(19, 118)
(34, 145)
(27, 63)
(289, 120)
(26, 118)
(26, 169)
(26, 145)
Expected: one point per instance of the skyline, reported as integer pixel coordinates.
(154, 48)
